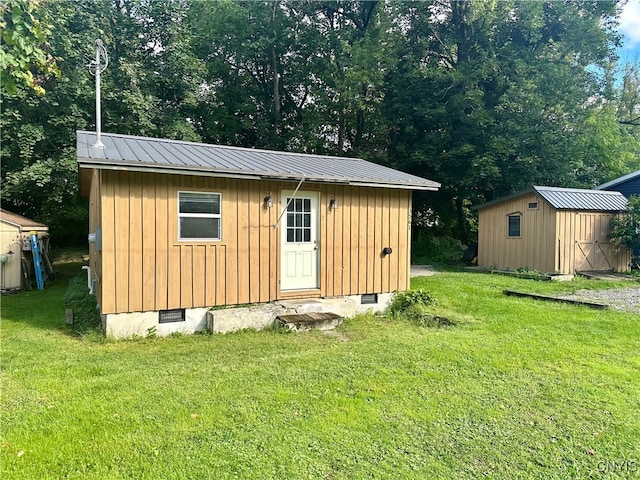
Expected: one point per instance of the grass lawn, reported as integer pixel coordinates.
(516, 389)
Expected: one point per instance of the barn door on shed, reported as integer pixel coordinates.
(594, 251)
(299, 241)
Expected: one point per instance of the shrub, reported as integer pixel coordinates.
(413, 305)
(86, 317)
(625, 229)
(429, 249)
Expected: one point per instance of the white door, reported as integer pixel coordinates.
(299, 259)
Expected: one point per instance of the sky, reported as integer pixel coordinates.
(630, 29)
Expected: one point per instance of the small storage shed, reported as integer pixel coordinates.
(14, 237)
(627, 185)
(551, 230)
(180, 227)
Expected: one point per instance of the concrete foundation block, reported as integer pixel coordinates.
(257, 317)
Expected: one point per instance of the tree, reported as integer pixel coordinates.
(626, 228)
(490, 97)
(149, 89)
(23, 57)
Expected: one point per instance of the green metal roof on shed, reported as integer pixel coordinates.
(126, 152)
(572, 199)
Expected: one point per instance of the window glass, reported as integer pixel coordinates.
(514, 226)
(199, 216)
(299, 220)
(193, 227)
(199, 203)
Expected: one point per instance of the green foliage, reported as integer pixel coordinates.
(23, 53)
(484, 97)
(429, 249)
(625, 229)
(413, 305)
(86, 317)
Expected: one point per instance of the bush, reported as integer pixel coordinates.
(625, 229)
(429, 249)
(413, 305)
(86, 317)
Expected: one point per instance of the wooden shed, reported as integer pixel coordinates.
(14, 243)
(189, 226)
(551, 230)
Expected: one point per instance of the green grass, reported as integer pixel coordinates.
(516, 389)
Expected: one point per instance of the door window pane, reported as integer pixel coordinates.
(299, 220)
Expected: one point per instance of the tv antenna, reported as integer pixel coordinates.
(96, 67)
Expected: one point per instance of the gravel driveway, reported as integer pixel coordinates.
(627, 299)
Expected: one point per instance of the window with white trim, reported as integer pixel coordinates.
(199, 216)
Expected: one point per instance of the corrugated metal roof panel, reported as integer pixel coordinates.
(571, 199)
(576, 199)
(142, 153)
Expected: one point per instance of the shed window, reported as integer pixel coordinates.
(514, 225)
(533, 205)
(199, 216)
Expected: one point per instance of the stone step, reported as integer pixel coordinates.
(309, 321)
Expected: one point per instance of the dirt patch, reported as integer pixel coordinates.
(422, 271)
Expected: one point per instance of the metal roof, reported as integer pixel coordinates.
(572, 199)
(576, 199)
(619, 180)
(172, 156)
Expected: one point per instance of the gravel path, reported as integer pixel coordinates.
(627, 299)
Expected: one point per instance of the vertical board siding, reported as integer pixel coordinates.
(122, 196)
(161, 253)
(361, 228)
(551, 240)
(136, 235)
(404, 242)
(346, 240)
(338, 250)
(243, 260)
(535, 249)
(145, 267)
(95, 220)
(108, 265)
(148, 244)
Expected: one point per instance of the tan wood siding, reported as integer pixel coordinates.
(533, 250)
(95, 256)
(145, 267)
(551, 241)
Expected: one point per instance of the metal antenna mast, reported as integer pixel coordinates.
(96, 67)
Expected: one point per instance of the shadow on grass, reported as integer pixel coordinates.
(43, 309)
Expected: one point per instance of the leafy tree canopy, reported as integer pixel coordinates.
(484, 97)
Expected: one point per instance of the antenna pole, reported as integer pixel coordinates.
(99, 64)
(99, 143)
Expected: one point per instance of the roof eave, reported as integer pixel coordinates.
(105, 165)
(619, 180)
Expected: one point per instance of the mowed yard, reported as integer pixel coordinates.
(517, 388)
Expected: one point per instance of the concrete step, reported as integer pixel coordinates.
(301, 322)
